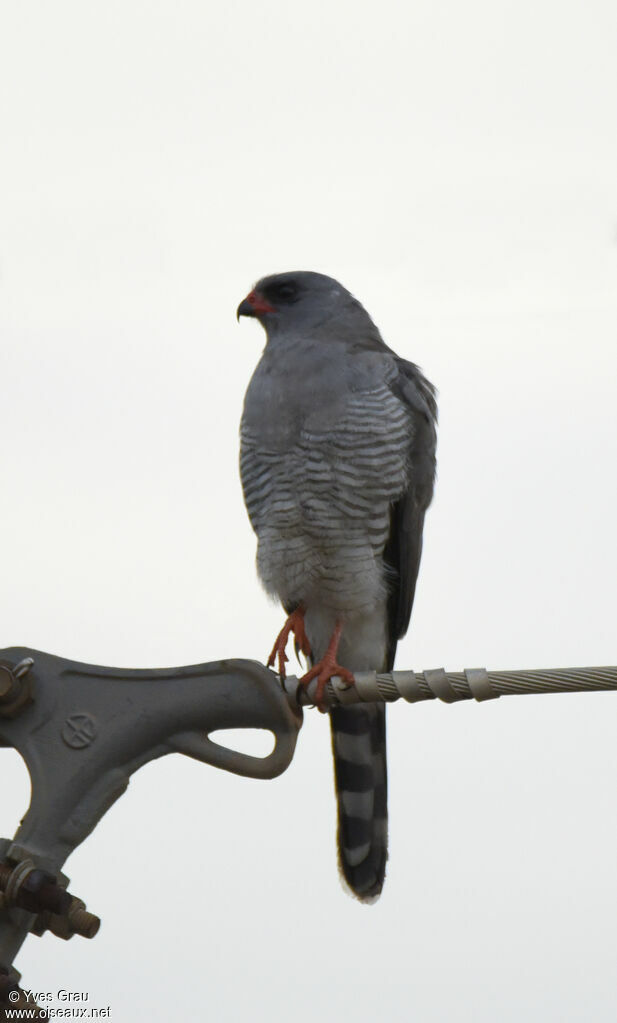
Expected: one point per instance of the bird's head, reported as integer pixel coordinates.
(297, 300)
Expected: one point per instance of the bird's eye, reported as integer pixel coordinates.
(287, 291)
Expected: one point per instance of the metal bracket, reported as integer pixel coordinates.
(82, 730)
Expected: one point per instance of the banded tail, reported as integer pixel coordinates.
(360, 769)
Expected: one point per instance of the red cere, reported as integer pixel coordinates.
(259, 303)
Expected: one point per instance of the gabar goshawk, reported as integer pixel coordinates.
(338, 464)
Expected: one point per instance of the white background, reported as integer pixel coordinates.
(454, 165)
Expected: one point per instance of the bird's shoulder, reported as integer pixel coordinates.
(412, 387)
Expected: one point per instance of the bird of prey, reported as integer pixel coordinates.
(337, 463)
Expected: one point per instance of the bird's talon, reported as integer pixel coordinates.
(327, 669)
(295, 624)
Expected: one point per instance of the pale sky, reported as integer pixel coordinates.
(455, 166)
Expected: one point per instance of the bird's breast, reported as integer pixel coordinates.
(322, 459)
(327, 470)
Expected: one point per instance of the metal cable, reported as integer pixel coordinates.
(451, 686)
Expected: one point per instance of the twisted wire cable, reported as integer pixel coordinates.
(451, 686)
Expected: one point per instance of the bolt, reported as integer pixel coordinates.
(23, 667)
(82, 922)
(32, 889)
(40, 891)
(6, 683)
(15, 687)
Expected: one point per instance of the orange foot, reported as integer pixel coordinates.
(327, 667)
(295, 624)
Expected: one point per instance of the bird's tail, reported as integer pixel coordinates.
(360, 769)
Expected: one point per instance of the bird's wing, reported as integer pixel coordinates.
(404, 545)
(359, 733)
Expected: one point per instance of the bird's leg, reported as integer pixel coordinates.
(295, 624)
(327, 667)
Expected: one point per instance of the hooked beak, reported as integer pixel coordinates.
(254, 305)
